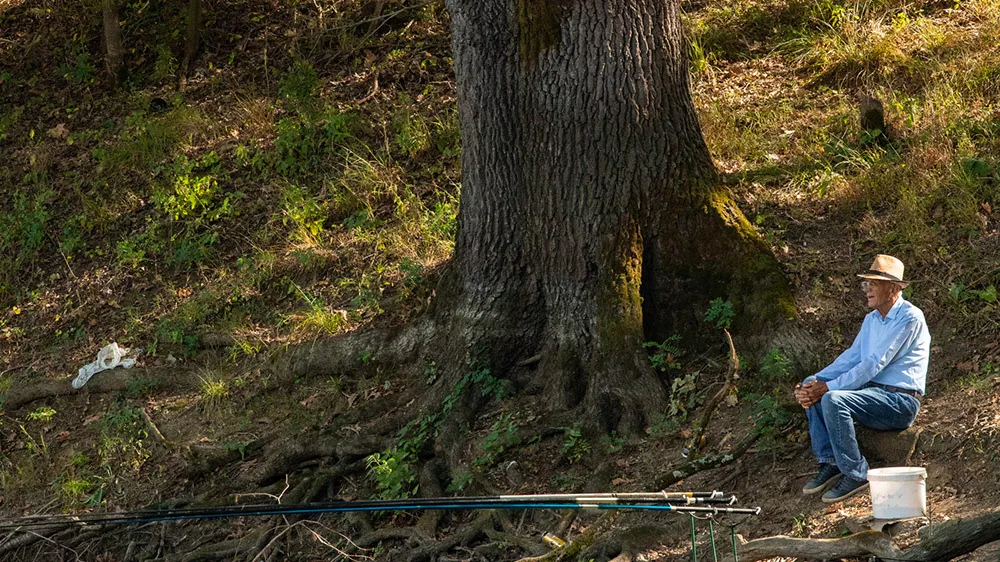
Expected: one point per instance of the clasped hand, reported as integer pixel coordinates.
(810, 393)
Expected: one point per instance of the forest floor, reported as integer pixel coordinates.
(303, 186)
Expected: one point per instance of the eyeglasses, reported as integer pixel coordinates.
(865, 285)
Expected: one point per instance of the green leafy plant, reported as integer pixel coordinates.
(775, 367)
(960, 293)
(394, 474)
(460, 480)
(768, 416)
(166, 64)
(35, 447)
(663, 427)
(240, 447)
(614, 442)
(412, 134)
(42, 413)
(74, 490)
(304, 213)
(574, 446)
(303, 140)
(502, 436)
(298, 83)
(720, 312)
(665, 353)
(683, 395)
(79, 71)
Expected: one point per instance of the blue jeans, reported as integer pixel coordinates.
(831, 423)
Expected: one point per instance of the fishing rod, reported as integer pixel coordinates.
(598, 501)
(683, 498)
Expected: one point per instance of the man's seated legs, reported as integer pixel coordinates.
(822, 448)
(831, 429)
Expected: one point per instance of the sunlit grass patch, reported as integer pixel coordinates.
(147, 141)
(860, 49)
(214, 391)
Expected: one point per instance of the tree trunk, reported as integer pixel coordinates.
(114, 53)
(191, 38)
(591, 214)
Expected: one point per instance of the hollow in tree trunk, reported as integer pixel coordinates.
(592, 217)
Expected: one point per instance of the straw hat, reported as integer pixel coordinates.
(886, 268)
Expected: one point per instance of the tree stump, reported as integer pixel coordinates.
(888, 447)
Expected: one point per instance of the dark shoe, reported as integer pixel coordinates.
(827, 474)
(844, 489)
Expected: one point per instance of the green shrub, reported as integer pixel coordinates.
(394, 474)
(775, 367)
(303, 141)
(304, 213)
(123, 439)
(166, 64)
(298, 83)
(502, 436)
(79, 70)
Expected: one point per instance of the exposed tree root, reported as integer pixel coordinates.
(110, 381)
(530, 545)
(283, 457)
(340, 355)
(627, 544)
(430, 550)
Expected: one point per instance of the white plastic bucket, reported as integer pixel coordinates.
(898, 492)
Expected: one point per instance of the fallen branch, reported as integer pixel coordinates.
(866, 543)
(716, 401)
(938, 543)
(691, 468)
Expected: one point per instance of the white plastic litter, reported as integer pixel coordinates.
(109, 357)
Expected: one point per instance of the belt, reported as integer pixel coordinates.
(914, 393)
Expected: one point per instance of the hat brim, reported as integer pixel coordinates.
(904, 284)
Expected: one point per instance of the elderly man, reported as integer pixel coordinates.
(878, 382)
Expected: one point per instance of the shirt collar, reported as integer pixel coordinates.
(895, 308)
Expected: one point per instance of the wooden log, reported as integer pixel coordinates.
(861, 544)
(941, 542)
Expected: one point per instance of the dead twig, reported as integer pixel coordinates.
(713, 405)
(156, 430)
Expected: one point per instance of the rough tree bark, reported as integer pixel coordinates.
(591, 213)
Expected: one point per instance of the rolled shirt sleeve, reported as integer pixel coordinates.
(848, 359)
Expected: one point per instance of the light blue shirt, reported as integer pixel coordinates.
(893, 350)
